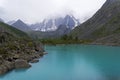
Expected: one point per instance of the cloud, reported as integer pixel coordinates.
(32, 11)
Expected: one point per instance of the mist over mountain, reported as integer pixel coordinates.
(11, 22)
(1, 20)
(31, 11)
(53, 24)
(54, 28)
(62, 30)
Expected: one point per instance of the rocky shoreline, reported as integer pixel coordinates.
(17, 49)
(19, 54)
(19, 62)
(8, 65)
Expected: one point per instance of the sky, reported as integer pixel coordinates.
(32, 11)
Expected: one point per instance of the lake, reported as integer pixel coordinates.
(72, 62)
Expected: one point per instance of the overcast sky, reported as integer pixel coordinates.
(32, 11)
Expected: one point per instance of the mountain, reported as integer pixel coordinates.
(1, 20)
(62, 30)
(21, 26)
(11, 22)
(11, 30)
(54, 28)
(53, 24)
(49, 27)
(105, 23)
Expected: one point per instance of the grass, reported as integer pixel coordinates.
(101, 32)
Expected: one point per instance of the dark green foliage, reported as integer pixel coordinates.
(115, 20)
(101, 32)
(76, 38)
(66, 39)
(30, 44)
(2, 39)
(3, 50)
(117, 30)
(111, 27)
(12, 46)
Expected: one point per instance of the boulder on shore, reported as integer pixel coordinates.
(20, 63)
(34, 61)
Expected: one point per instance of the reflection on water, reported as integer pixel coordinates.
(20, 70)
(73, 62)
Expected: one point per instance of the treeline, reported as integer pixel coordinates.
(65, 39)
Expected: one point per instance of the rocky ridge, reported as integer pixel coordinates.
(103, 27)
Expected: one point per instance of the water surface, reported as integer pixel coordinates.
(73, 62)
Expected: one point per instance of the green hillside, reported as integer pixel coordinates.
(12, 30)
(104, 23)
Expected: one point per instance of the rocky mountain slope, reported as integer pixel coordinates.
(49, 28)
(53, 24)
(105, 23)
(1, 20)
(21, 26)
(54, 28)
(17, 49)
(62, 30)
(11, 22)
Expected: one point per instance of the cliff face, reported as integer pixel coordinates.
(16, 49)
(104, 23)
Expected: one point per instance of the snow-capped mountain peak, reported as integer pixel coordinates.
(53, 24)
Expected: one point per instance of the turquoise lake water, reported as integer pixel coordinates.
(72, 62)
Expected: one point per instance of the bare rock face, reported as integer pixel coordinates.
(7, 66)
(39, 47)
(19, 63)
